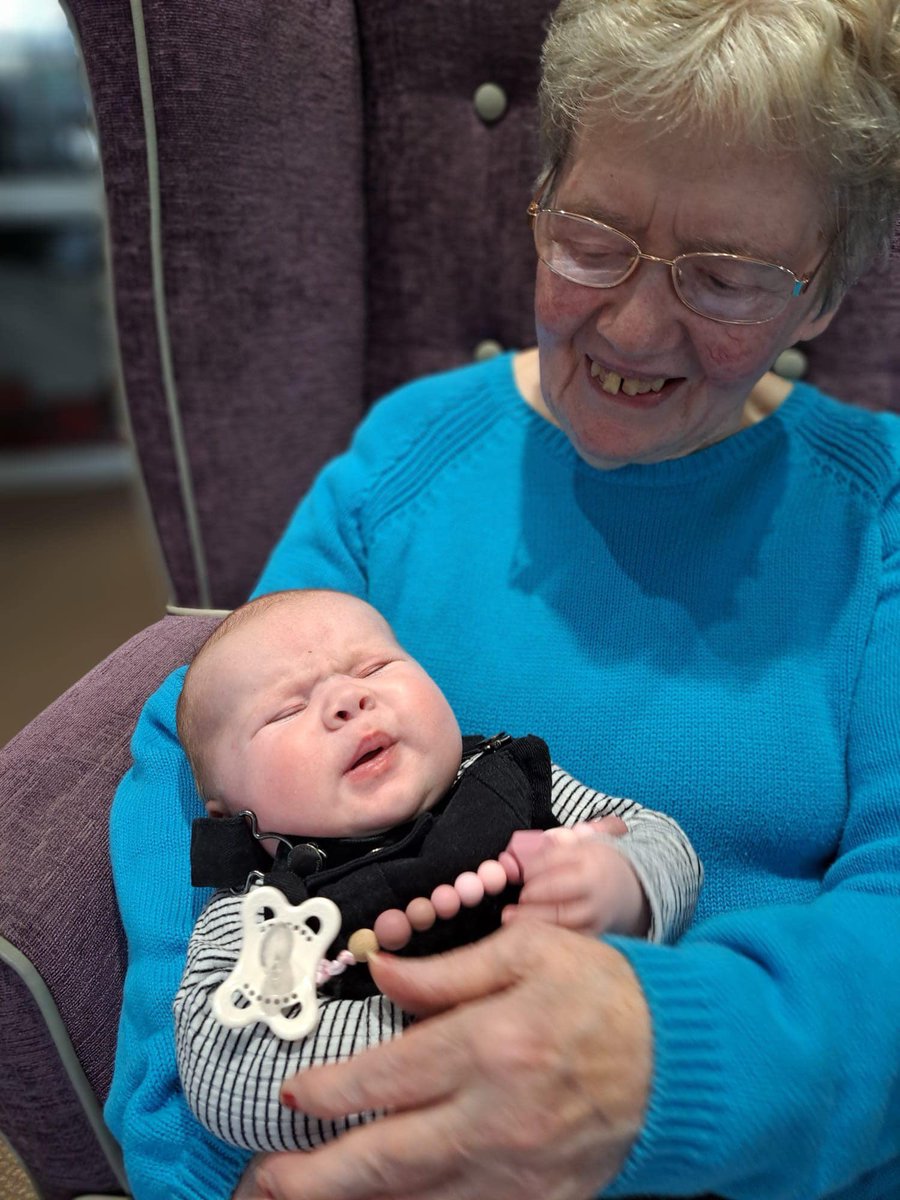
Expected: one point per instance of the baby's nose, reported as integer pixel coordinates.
(347, 701)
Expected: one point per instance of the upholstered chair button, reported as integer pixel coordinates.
(791, 364)
(490, 102)
(487, 349)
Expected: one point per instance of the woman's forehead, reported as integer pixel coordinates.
(729, 198)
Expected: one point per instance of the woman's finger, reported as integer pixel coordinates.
(431, 1059)
(399, 1155)
(425, 986)
(420, 1068)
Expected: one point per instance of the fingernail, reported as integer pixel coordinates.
(288, 1100)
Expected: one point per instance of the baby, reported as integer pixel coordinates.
(304, 711)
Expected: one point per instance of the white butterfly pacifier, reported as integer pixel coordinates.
(274, 979)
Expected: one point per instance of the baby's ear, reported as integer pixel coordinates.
(215, 808)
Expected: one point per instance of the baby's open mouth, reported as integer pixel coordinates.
(369, 751)
(367, 757)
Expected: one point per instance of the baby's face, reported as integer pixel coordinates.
(323, 726)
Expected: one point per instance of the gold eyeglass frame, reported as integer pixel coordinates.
(801, 282)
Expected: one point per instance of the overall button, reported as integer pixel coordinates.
(490, 102)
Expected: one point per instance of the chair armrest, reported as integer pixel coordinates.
(58, 910)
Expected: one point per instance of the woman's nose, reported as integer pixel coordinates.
(642, 314)
(346, 700)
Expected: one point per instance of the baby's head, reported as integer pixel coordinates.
(303, 707)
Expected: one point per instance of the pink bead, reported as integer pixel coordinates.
(511, 867)
(470, 888)
(493, 877)
(393, 930)
(446, 901)
(421, 913)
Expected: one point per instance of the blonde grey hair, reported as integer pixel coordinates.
(816, 79)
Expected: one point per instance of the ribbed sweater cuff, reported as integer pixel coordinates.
(683, 1127)
(207, 1171)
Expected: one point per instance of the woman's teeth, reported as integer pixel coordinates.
(611, 382)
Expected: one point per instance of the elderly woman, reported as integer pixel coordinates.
(684, 572)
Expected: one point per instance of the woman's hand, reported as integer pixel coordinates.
(528, 1081)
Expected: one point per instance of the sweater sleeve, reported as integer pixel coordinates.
(168, 1155)
(776, 1039)
(232, 1077)
(657, 848)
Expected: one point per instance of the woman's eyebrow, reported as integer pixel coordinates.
(625, 224)
(729, 246)
(589, 208)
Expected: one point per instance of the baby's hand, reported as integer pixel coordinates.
(575, 878)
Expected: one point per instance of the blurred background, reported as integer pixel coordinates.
(78, 556)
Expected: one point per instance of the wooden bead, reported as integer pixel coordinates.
(362, 943)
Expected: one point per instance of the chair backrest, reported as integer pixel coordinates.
(310, 201)
(317, 214)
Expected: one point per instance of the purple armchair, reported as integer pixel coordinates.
(308, 204)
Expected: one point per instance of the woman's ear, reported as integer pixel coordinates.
(815, 323)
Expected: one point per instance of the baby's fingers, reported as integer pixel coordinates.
(562, 877)
(574, 915)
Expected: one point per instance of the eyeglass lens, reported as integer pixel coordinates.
(720, 286)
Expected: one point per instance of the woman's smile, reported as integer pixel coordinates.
(630, 390)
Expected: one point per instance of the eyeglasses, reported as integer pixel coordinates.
(730, 288)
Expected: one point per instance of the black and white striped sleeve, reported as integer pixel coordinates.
(232, 1077)
(656, 846)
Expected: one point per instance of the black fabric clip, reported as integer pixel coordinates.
(495, 742)
(224, 852)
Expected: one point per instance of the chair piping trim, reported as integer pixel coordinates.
(121, 393)
(159, 303)
(33, 980)
(177, 610)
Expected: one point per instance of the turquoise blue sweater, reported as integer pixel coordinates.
(717, 636)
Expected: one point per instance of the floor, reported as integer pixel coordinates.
(81, 574)
(14, 1181)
